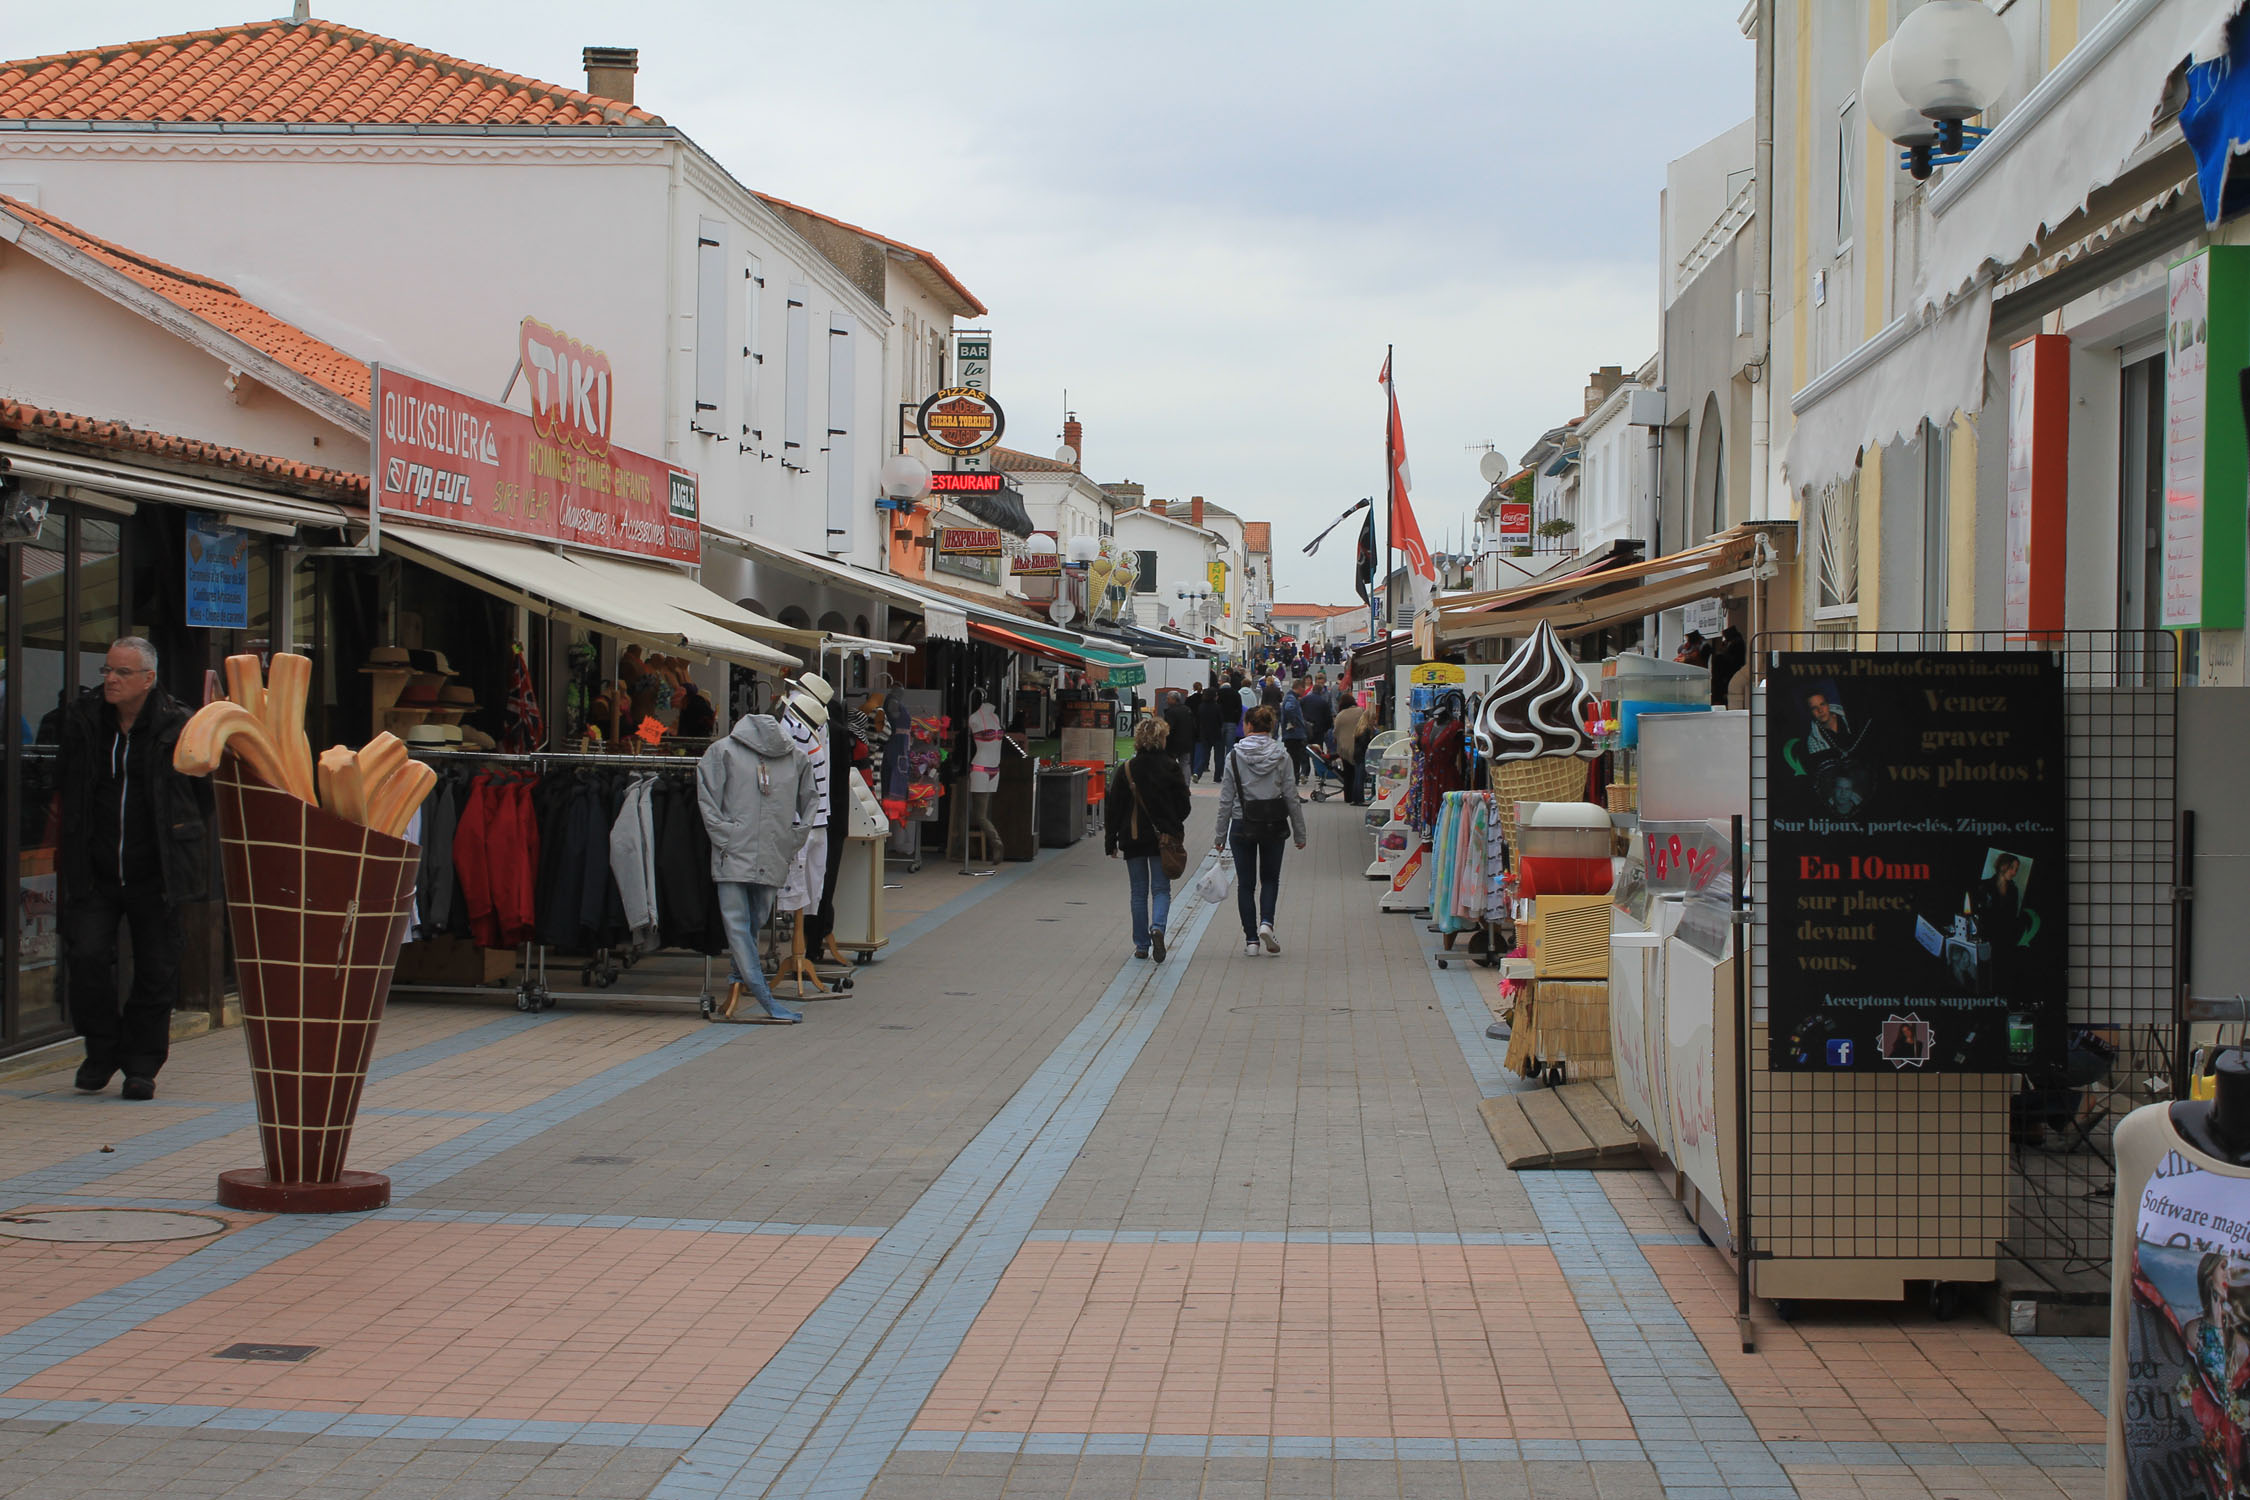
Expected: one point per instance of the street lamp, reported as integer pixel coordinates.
(1083, 550)
(1950, 60)
(905, 480)
(1888, 111)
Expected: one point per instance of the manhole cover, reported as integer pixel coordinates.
(107, 1226)
(286, 1354)
(603, 1161)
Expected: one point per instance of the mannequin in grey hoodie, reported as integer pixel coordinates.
(757, 792)
(1258, 769)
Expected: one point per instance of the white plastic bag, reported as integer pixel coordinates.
(1214, 884)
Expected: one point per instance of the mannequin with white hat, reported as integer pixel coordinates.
(804, 713)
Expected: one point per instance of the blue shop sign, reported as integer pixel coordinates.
(218, 574)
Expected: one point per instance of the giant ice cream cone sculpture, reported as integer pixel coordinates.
(317, 898)
(1531, 728)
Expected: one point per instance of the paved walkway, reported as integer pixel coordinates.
(1019, 1216)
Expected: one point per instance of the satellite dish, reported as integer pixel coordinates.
(1493, 467)
(1062, 611)
(1066, 454)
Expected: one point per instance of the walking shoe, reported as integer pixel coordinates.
(779, 1012)
(1140, 953)
(1156, 944)
(1265, 935)
(140, 1088)
(93, 1077)
(1251, 949)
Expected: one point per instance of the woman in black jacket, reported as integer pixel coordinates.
(1148, 798)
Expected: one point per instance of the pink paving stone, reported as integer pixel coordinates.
(1296, 1340)
(484, 1320)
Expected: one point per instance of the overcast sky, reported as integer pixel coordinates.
(1204, 220)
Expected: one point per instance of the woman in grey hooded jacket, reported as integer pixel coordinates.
(757, 792)
(1257, 782)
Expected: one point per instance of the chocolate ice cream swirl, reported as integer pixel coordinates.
(1538, 706)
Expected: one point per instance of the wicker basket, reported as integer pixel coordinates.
(1546, 778)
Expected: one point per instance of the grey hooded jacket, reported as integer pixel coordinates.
(757, 793)
(1266, 771)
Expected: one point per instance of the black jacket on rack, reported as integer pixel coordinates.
(687, 899)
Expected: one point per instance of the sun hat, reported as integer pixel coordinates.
(809, 708)
(818, 686)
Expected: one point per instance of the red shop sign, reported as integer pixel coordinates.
(1515, 518)
(451, 458)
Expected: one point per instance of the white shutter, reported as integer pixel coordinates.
(753, 354)
(842, 452)
(797, 378)
(710, 323)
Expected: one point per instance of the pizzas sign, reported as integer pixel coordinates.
(959, 421)
(572, 396)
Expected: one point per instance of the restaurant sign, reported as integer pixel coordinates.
(1030, 564)
(448, 458)
(955, 541)
(959, 421)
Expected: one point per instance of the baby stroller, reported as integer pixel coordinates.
(1328, 773)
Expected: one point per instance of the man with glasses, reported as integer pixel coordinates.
(134, 846)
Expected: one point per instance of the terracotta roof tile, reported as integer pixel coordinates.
(277, 72)
(936, 266)
(1313, 611)
(1007, 602)
(63, 429)
(1020, 462)
(215, 303)
(1257, 536)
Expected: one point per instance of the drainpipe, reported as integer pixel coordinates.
(1759, 367)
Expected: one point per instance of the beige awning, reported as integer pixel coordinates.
(633, 603)
(682, 592)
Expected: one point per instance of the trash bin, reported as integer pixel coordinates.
(1062, 806)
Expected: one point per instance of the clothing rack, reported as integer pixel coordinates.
(533, 993)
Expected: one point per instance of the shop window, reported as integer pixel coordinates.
(796, 379)
(100, 620)
(1837, 515)
(842, 452)
(710, 323)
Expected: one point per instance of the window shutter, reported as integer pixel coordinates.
(710, 322)
(798, 377)
(753, 354)
(1146, 582)
(842, 452)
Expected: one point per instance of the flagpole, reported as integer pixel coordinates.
(1390, 481)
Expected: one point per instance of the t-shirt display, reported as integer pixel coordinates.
(984, 762)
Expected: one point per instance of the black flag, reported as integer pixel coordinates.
(1363, 573)
(1314, 545)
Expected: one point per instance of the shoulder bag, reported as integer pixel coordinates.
(1169, 848)
(1262, 817)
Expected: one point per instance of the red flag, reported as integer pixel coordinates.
(1406, 532)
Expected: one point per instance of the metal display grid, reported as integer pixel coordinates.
(1983, 1166)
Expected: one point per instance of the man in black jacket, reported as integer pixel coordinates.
(1179, 721)
(134, 845)
(1216, 706)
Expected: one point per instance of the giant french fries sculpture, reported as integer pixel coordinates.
(319, 881)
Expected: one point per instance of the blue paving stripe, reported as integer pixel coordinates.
(628, 1221)
(1460, 991)
(1283, 1237)
(350, 1424)
(981, 888)
(48, 1341)
(827, 1411)
(2082, 1364)
(89, 1167)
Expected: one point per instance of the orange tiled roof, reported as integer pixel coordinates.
(936, 266)
(215, 303)
(1007, 602)
(277, 72)
(67, 430)
(1313, 611)
(1011, 458)
(1257, 536)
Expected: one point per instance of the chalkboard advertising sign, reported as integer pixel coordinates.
(1918, 905)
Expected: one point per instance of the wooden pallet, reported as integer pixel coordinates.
(1572, 1126)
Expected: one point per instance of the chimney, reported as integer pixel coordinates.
(610, 70)
(1074, 437)
(1195, 510)
(1599, 385)
(1156, 505)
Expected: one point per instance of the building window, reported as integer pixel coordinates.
(1839, 546)
(1144, 582)
(1848, 152)
(710, 325)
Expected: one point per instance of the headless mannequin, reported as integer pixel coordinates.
(2220, 1126)
(980, 802)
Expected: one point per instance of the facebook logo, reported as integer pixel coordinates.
(1839, 1053)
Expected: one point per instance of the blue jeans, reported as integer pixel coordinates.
(1202, 757)
(744, 908)
(1152, 897)
(1259, 860)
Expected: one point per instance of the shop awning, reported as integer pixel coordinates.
(1609, 596)
(261, 510)
(1092, 652)
(1022, 642)
(684, 593)
(551, 583)
(1003, 508)
(941, 619)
